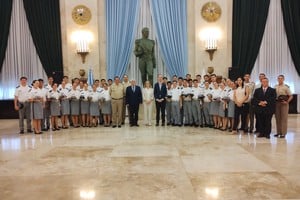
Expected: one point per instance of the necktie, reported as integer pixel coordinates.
(265, 89)
(133, 88)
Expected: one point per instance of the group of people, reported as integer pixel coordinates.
(208, 101)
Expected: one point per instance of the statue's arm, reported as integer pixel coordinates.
(138, 50)
(153, 53)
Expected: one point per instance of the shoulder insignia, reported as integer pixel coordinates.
(287, 85)
(18, 86)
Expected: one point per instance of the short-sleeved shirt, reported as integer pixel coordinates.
(22, 93)
(116, 91)
(283, 90)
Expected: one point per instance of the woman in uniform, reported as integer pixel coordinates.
(75, 104)
(84, 105)
(53, 96)
(214, 105)
(106, 105)
(65, 105)
(94, 98)
(37, 99)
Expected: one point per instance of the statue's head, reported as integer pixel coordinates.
(145, 32)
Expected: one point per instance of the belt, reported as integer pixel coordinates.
(117, 99)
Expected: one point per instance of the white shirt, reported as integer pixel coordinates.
(74, 94)
(196, 91)
(216, 93)
(22, 93)
(84, 94)
(105, 94)
(176, 93)
(207, 92)
(95, 96)
(64, 92)
(36, 93)
(53, 94)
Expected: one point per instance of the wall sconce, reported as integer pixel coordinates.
(211, 46)
(82, 48)
(210, 36)
(82, 40)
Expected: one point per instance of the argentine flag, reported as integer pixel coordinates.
(90, 79)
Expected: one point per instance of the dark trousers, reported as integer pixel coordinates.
(160, 108)
(133, 114)
(240, 112)
(265, 121)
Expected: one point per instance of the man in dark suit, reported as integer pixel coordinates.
(264, 100)
(160, 93)
(133, 100)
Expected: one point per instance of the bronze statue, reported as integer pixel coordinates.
(144, 50)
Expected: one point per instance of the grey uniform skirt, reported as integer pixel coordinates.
(84, 107)
(94, 108)
(54, 108)
(214, 108)
(37, 110)
(231, 109)
(75, 107)
(106, 108)
(65, 107)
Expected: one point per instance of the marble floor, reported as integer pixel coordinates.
(141, 163)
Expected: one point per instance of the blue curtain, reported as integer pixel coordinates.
(121, 22)
(170, 20)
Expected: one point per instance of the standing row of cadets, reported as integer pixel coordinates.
(204, 104)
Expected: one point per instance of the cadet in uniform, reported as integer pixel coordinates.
(53, 96)
(116, 91)
(176, 104)
(187, 103)
(84, 105)
(22, 104)
(65, 104)
(36, 96)
(94, 98)
(75, 105)
(168, 103)
(196, 110)
(284, 97)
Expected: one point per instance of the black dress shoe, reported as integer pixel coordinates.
(276, 135)
(281, 136)
(131, 125)
(268, 136)
(22, 132)
(114, 126)
(156, 124)
(29, 131)
(260, 135)
(119, 126)
(137, 125)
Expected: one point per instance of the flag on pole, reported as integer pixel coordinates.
(90, 79)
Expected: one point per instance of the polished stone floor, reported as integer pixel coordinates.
(141, 163)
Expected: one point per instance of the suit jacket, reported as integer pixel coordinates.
(160, 93)
(269, 97)
(134, 98)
